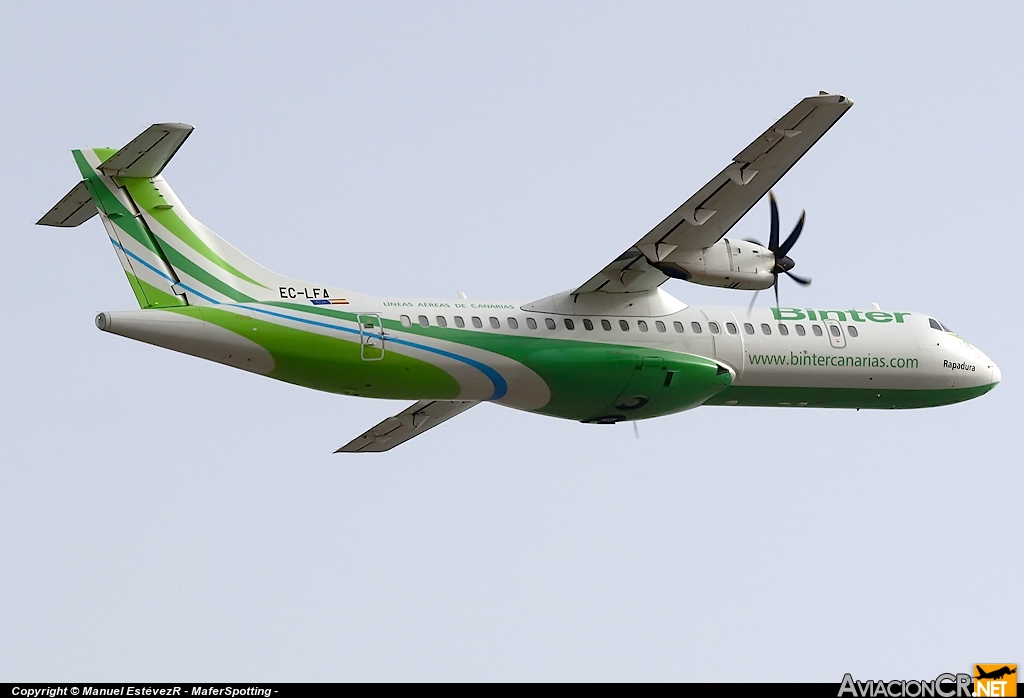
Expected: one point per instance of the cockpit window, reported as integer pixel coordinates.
(936, 325)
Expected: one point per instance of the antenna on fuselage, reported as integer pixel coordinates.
(462, 294)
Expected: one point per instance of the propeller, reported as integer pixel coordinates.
(783, 262)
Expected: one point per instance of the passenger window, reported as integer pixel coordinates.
(748, 328)
(406, 321)
(783, 330)
(477, 322)
(641, 325)
(494, 323)
(834, 329)
(934, 324)
(531, 323)
(715, 329)
(549, 323)
(697, 329)
(800, 330)
(588, 324)
(513, 323)
(677, 326)
(623, 325)
(459, 322)
(852, 330)
(817, 330)
(441, 322)
(765, 328)
(605, 325)
(424, 322)
(660, 325)
(569, 324)
(730, 327)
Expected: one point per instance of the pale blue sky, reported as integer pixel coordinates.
(166, 518)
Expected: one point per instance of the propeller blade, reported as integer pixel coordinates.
(799, 279)
(752, 301)
(776, 287)
(793, 237)
(773, 238)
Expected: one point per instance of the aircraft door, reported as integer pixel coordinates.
(371, 337)
(644, 384)
(836, 336)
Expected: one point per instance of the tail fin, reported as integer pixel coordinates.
(170, 258)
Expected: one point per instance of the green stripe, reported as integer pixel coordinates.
(147, 196)
(849, 398)
(584, 378)
(325, 311)
(333, 365)
(185, 265)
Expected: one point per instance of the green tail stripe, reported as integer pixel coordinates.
(325, 312)
(187, 266)
(147, 196)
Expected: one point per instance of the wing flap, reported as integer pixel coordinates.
(704, 218)
(148, 153)
(74, 209)
(418, 418)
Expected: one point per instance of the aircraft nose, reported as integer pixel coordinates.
(996, 375)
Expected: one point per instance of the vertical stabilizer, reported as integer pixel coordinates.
(152, 279)
(170, 258)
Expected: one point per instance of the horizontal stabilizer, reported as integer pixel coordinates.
(73, 210)
(148, 152)
(406, 424)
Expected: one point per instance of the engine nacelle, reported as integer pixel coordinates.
(727, 264)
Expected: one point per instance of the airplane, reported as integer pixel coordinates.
(994, 674)
(616, 348)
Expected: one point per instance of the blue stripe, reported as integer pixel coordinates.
(149, 266)
(500, 386)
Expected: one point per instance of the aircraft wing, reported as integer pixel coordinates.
(408, 423)
(707, 216)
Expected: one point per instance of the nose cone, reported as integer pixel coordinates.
(974, 368)
(987, 368)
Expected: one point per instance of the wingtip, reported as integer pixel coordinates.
(830, 97)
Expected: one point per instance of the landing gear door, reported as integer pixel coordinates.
(371, 337)
(835, 333)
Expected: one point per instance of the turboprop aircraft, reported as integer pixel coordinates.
(616, 348)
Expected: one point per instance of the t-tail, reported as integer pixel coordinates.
(170, 258)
